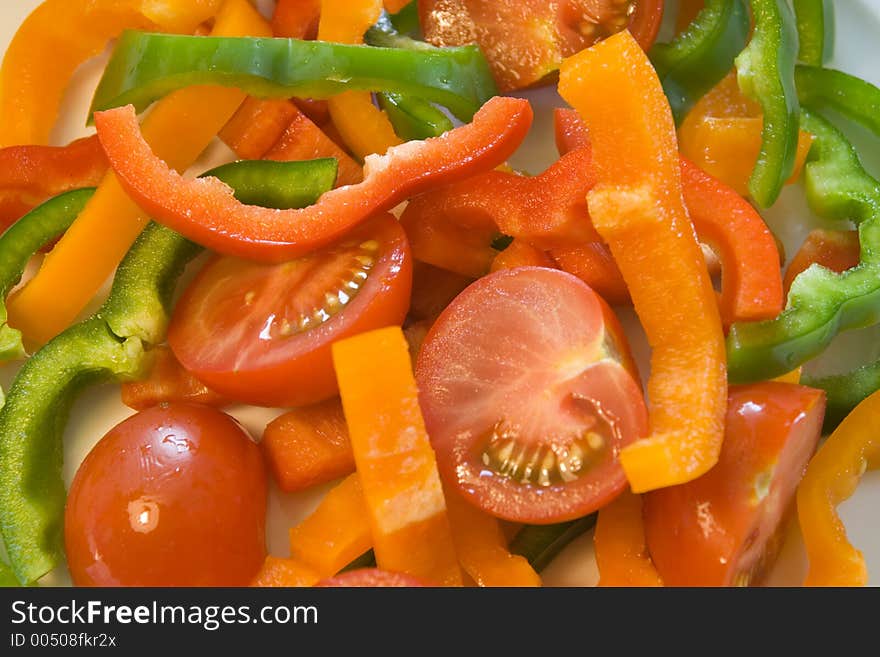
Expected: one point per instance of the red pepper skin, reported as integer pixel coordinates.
(205, 211)
(31, 174)
(752, 280)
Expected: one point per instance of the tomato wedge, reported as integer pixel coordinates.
(525, 40)
(529, 392)
(261, 334)
(725, 528)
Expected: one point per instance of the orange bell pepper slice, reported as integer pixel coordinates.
(277, 572)
(395, 461)
(308, 446)
(482, 547)
(722, 135)
(57, 37)
(338, 531)
(638, 209)
(621, 548)
(179, 128)
(303, 140)
(837, 250)
(365, 128)
(522, 254)
(168, 381)
(257, 126)
(832, 477)
(751, 285)
(297, 19)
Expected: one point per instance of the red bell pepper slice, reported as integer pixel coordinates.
(206, 211)
(752, 281)
(31, 174)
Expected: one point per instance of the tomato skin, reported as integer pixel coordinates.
(725, 527)
(286, 371)
(526, 40)
(370, 577)
(537, 350)
(172, 496)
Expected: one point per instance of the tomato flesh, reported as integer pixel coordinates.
(172, 496)
(725, 528)
(528, 393)
(524, 41)
(370, 577)
(261, 333)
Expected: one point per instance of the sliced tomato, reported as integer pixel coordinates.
(261, 333)
(172, 496)
(725, 528)
(525, 40)
(529, 392)
(370, 577)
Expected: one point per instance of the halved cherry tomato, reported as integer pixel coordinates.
(726, 527)
(261, 333)
(525, 40)
(370, 577)
(172, 496)
(529, 392)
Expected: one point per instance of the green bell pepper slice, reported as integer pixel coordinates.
(412, 117)
(20, 242)
(845, 391)
(853, 97)
(815, 27)
(108, 346)
(700, 56)
(821, 303)
(146, 66)
(765, 73)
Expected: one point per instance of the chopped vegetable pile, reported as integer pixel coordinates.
(438, 334)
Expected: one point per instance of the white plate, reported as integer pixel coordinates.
(857, 26)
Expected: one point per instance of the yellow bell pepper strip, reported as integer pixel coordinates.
(621, 548)
(394, 458)
(365, 129)
(637, 208)
(832, 477)
(337, 533)
(722, 135)
(57, 37)
(179, 128)
(276, 572)
(482, 547)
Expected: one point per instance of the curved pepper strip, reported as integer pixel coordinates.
(853, 97)
(35, 173)
(57, 37)
(109, 345)
(179, 128)
(364, 128)
(146, 66)
(832, 477)
(845, 391)
(412, 117)
(700, 56)
(23, 240)
(207, 213)
(637, 207)
(395, 462)
(821, 303)
(621, 547)
(256, 126)
(751, 284)
(765, 72)
(815, 27)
